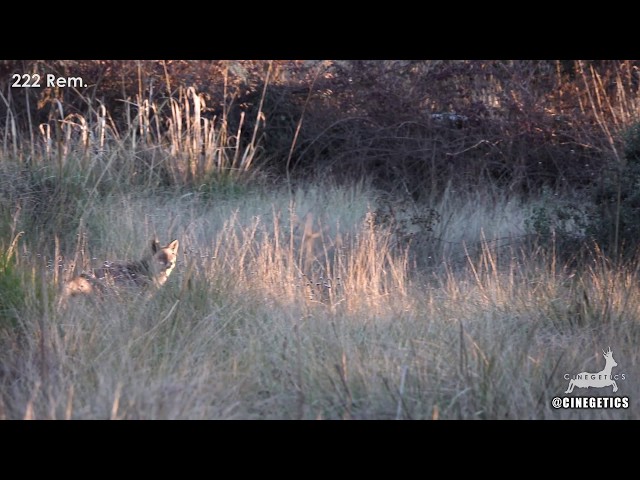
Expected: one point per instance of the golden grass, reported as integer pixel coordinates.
(286, 303)
(295, 306)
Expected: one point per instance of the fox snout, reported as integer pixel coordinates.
(165, 261)
(166, 256)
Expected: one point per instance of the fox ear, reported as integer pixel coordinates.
(174, 245)
(155, 245)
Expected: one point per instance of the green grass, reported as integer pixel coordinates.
(299, 307)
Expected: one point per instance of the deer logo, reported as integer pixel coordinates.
(596, 380)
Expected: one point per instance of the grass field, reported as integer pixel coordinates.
(420, 277)
(306, 305)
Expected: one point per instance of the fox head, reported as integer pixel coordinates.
(163, 260)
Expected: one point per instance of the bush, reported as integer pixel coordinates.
(617, 202)
(417, 124)
(610, 216)
(559, 223)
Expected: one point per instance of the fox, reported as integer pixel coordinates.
(152, 271)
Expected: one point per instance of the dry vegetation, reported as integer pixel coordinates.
(408, 284)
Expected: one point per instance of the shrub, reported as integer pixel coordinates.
(616, 214)
(609, 216)
(559, 223)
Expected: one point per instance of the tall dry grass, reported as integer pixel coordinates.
(297, 306)
(300, 301)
